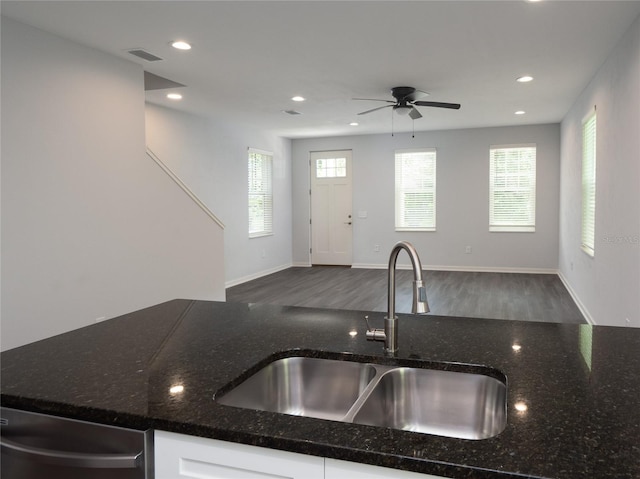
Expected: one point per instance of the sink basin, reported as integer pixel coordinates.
(445, 403)
(321, 388)
(433, 400)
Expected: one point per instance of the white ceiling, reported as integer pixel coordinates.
(250, 57)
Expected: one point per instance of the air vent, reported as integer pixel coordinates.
(145, 55)
(291, 112)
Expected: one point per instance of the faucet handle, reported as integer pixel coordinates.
(374, 334)
(366, 319)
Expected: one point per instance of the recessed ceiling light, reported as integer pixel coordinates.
(298, 98)
(354, 123)
(520, 112)
(524, 79)
(174, 96)
(181, 45)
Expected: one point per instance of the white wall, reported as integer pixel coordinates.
(91, 227)
(607, 285)
(462, 199)
(211, 158)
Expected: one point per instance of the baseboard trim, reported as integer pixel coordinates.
(259, 274)
(301, 265)
(466, 269)
(576, 299)
(370, 266)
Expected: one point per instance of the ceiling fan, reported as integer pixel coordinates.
(406, 100)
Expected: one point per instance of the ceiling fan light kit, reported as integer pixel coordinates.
(402, 109)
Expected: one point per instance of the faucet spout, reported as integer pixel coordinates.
(420, 304)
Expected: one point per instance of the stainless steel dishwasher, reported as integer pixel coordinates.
(42, 446)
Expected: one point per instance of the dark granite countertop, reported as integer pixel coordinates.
(580, 383)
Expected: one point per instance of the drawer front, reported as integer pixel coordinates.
(180, 456)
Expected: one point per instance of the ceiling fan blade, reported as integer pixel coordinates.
(437, 104)
(374, 109)
(373, 99)
(414, 113)
(416, 95)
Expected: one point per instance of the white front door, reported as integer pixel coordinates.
(331, 215)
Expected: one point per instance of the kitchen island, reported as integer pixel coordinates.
(573, 391)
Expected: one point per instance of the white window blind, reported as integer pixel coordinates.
(589, 184)
(415, 190)
(512, 188)
(260, 193)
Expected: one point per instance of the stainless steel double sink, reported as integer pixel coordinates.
(468, 402)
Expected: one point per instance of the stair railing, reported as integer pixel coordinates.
(184, 187)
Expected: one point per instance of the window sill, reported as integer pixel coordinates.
(588, 251)
(512, 229)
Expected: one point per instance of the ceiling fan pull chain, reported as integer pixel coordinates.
(391, 122)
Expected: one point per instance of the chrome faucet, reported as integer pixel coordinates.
(420, 306)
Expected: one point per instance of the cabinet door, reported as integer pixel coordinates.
(334, 469)
(181, 456)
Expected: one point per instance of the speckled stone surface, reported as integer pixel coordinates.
(580, 384)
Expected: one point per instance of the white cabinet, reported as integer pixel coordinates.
(178, 456)
(334, 469)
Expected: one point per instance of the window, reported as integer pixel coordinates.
(331, 167)
(589, 184)
(260, 193)
(416, 190)
(512, 188)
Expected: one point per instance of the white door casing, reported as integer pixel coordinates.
(331, 209)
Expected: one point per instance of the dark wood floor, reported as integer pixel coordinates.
(529, 297)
